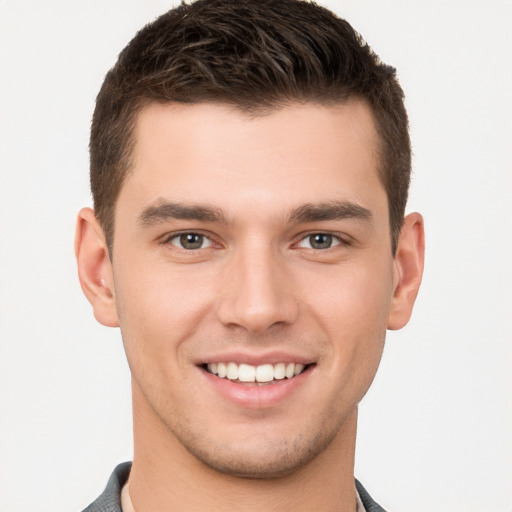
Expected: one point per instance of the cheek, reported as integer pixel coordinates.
(354, 294)
(152, 295)
(160, 309)
(353, 314)
(157, 310)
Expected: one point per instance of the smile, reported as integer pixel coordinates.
(264, 373)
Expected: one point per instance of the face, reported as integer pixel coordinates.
(253, 278)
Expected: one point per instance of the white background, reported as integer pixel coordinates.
(435, 430)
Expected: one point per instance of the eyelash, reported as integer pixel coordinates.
(176, 236)
(336, 239)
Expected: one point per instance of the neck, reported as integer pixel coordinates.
(165, 476)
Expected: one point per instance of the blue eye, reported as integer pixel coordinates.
(319, 241)
(190, 241)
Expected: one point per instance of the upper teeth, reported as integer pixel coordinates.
(262, 373)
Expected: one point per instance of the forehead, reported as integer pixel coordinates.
(211, 154)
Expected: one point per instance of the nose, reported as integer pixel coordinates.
(258, 293)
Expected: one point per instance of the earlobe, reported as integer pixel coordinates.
(408, 263)
(94, 268)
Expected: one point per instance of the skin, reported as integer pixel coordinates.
(256, 288)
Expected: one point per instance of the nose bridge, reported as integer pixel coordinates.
(259, 291)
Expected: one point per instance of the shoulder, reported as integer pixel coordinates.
(110, 499)
(369, 504)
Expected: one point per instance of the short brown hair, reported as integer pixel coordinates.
(255, 55)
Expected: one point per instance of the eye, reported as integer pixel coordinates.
(319, 241)
(190, 241)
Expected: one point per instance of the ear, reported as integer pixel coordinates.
(94, 268)
(408, 270)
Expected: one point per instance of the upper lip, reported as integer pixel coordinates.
(256, 359)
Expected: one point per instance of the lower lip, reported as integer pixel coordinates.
(254, 396)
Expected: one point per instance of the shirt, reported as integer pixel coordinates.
(127, 505)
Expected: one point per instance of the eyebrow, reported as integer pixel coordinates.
(165, 211)
(337, 210)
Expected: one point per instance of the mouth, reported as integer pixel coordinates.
(261, 375)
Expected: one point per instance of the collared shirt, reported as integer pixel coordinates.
(126, 501)
(127, 505)
(110, 499)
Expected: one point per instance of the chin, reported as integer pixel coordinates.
(260, 459)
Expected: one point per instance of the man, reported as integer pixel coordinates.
(250, 163)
